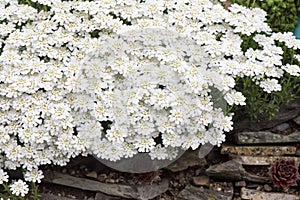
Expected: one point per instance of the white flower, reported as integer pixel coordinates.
(3, 176)
(235, 98)
(159, 153)
(270, 85)
(292, 69)
(19, 188)
(34, 175)
(143, 144)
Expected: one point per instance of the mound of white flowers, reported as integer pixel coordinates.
(115, 78)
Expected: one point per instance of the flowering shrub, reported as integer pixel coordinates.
(116, 78)
(284, 173)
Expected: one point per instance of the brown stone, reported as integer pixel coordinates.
(102, 177)
(92, 174)
(264, 160)
(259, 150)
(250, 194)
(201, 180)
(240, 184)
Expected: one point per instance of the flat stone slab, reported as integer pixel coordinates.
(101, 196)
(263, 137)
(233, 170)
(199, 193)
(259, 150)
(142, 192)
(264, 160)
(259, 195)
(54, 197)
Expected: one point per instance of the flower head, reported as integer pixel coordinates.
(19, 188)
(284, 173)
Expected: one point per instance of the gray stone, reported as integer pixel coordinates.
(250, 194)
(282, 127)
(140, 192)
(233, 170)
(297, 120)
(285, 114)
(54, 197)
(294, 104)
(188, 159)
(205, 149)
(254, 186)
(267, 188)
(101, 196)
(263, 137)
(198, 193)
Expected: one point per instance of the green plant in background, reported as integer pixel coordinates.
(282, 14)
(282, 17)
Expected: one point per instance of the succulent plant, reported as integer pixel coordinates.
(284, 173)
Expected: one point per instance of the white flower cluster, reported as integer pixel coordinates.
(114, 78)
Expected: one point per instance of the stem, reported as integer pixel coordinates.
(35, 195)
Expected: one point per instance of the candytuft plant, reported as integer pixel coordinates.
(117, 78)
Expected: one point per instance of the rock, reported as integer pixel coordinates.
(264, 160)
(259, 195)
(233, 170)
(205, 149)
(259, 150)
(54, 197)
(100, 196)
(188, 159)
(267, 188)
(240, 184)
(72, 172)
(102, 177)
(285, 114)
(198, 193)
(121, 190)
(298, 152)
(215, 156)
(297, 120)
(201, 180)
(282, 127)
(262, 137)
(92, 174)
(254, 186)
(294, 104)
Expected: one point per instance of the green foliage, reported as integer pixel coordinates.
(35, 5)
(282, 17)
(33, 194)
(282, 14)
